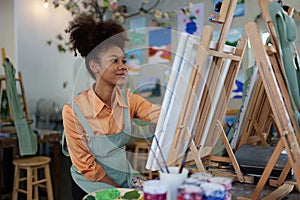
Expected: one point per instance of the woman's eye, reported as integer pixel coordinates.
(124, 61)
(115, 60)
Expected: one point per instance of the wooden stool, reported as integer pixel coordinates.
(31, 165)
(141, 147)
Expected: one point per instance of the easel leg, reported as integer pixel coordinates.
(266, 174)
(259, 133)
(284, 174)
(230, 153)
(196, 156)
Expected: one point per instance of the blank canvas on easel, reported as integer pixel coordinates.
(173, 100)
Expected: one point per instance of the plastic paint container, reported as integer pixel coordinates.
(189, 192)
(213, 191)
(154, 190)
(226, 182)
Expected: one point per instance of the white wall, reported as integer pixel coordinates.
(44, 69)
(7, 29)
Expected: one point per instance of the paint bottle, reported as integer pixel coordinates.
(213, 191)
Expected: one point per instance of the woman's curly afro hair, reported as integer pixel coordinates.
(86, 34)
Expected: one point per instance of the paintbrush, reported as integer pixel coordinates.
(165, 163)
(185, 156)
(149, 145)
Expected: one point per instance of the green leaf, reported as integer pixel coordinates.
(192, 17)
(108, 194)
(106, 3)
(131, 195)
(59, 37)
(90, 197)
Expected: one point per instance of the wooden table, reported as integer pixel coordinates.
(44, 136)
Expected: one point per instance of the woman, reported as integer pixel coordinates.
(97, 122)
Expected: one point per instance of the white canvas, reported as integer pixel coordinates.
(173, 100)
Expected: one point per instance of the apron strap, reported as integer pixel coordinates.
(85, 124)
(83, 120)
(127, 121)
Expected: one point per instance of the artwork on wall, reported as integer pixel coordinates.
(191, 20)
(232, 37)
(239, 9)
(160, 45)
(137, 32)
(134, 61)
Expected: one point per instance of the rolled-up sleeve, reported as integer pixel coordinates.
(143, 109)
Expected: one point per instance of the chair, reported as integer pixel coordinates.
(141, 151)
(32, 166)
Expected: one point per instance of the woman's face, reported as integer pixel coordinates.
(112, 68)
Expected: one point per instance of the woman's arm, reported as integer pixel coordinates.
(106, 179)
(143, 109)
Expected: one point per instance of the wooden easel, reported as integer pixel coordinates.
(250, 133)
(278, 101)
(205, 143)
(259, 119)
(274, 56)
(269, 58)
(20, 81)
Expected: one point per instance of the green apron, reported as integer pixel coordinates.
(109, 151)
(286, 30)
(27, 139)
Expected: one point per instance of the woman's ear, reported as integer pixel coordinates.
(94, 66)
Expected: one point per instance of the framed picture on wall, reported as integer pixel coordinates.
(239, 9)
(160, 45)
(137, 32)
(134, 61)
(191, 20)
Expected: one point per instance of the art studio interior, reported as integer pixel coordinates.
(149, 99)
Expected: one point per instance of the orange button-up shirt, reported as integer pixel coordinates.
(102, 119)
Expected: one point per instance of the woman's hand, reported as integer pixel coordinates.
(138, 182)
(106, 179)
(154, 113)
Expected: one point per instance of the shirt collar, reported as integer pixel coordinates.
(98, 104)
(119, 98)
